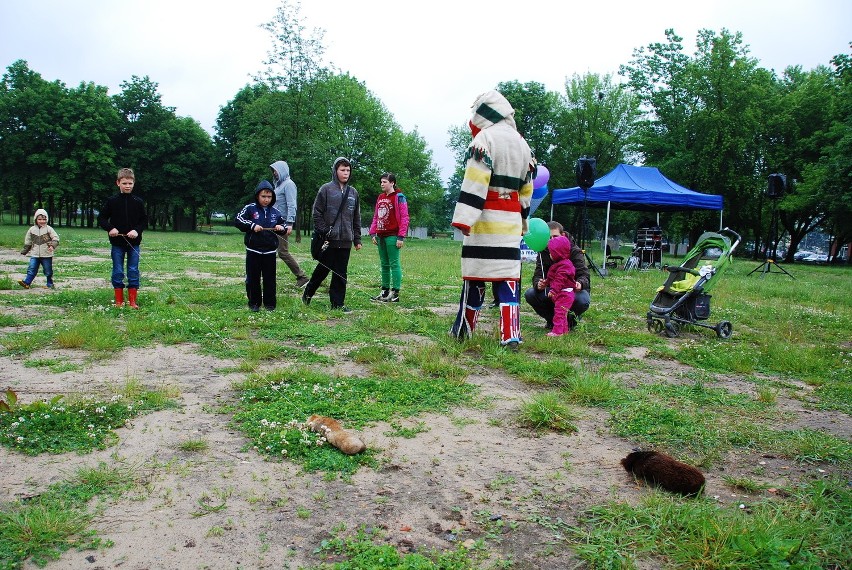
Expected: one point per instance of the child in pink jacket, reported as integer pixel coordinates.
(560, 280)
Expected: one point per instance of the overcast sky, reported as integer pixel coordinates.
(425, 61)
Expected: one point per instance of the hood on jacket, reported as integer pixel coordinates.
(264, 185)
(41, 212)
(490, 108)
(282, 170)
(334, 166)
(559, 248)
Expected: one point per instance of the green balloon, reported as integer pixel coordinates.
(538, 235)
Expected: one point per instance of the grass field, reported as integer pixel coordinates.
(765, 414)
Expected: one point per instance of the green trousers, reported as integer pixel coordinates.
(389, 259)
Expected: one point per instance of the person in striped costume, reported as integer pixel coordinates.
(492, 212)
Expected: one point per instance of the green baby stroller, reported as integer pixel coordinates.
(684, 298)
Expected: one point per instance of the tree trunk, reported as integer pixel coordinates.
(794, 247)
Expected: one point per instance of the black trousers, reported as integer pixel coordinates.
(334, 260)
(261, 268)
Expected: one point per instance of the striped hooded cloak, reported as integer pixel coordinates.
(495, 195)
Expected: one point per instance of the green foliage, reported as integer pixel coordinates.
(79, 425)
(193, 445)
(362, 550)
(273, 408)
(45, 526)
(810, 531)
(546, 410)
(407, 432)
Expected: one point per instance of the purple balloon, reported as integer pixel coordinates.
(542, 175)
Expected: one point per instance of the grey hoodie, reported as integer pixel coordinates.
(347, 230)
(285, 191)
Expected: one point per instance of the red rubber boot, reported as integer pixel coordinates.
(132, 300)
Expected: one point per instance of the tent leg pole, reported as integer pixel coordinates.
(606, 237)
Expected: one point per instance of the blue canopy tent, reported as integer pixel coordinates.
(637, 188)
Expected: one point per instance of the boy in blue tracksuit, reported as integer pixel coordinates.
(262, 223)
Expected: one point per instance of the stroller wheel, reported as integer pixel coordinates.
(724, 329)
(672, 329)
(655, 326)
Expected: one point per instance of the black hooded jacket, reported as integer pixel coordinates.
(254, 214)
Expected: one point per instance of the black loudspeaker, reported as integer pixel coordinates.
(777, 186)
(585, 171)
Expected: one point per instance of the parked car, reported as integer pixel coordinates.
(801, 254)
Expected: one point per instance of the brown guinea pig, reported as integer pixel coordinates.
(665, 472)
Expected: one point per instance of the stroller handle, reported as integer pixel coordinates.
(676, 268)
(736, 235)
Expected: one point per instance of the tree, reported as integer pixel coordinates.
(88, 165)
(803, 116)
(295, 58)
(535, 115)
(172, 155)
(30, 139)
(229, 188)
(341, 118)
(835, 164)
(705, 121)
(307, 114)
(598, 119)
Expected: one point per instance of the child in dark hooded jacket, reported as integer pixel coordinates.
(561, 281)
(262, 223)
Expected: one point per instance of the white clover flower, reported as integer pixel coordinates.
(20, 439)
(21, 420)
(14, 425)
(268, 447)
(91, 426)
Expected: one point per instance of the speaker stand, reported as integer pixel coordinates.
(592, 265)
(767, 266)
(772, 240)
(583, 224)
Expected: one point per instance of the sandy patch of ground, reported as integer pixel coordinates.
(470, 469)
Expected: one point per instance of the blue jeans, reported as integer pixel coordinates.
(119, 253)
(46, 265)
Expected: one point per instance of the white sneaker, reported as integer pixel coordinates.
(392, 297)
(383, 296)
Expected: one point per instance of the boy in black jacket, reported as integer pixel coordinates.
(262, 223)
(123, 217)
